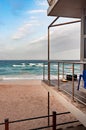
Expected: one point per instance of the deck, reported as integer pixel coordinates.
(66, 87)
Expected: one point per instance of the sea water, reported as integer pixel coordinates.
(30, 69)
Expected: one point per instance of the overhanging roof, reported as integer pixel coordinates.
(67, 8)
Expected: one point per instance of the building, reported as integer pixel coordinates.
(70, 9)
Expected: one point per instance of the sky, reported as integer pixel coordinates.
(23, 32)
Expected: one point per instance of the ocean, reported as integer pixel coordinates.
(30, 69)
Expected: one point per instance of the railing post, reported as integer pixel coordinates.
(63, 70)
(73, 81)
(49, 55)
(54, 120)
(43, 71)
(48, 108)
(49, 73)
(6, 124)
(58, 75)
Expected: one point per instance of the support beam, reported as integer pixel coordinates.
(65, 23)
(49, 50)
(49, 55)
(53, 22)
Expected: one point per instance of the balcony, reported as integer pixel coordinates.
(51, 3)
(61, 78)
(66, 8)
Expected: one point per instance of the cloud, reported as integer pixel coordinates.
(22, 31)
(73, 54)
(36, 11)
(39, 40)
(33, 17)
(27, 28)
(41, 2)
(64, 44)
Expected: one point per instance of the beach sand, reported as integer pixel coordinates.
(27, 99)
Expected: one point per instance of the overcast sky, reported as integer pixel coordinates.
(23, 32)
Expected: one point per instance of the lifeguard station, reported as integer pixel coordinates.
(69, 9)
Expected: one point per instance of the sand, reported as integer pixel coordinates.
(27, 99)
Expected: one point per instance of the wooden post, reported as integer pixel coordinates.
(6, 124)
(54, 120)
(48, 108)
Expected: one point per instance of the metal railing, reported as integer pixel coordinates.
(53, 126)
(62, 69)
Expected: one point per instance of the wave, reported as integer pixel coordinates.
(39, 65)
(46, 65)
(32, 64)
(22, 65)
(28, 65)
(29, 77)
(4, 78)
(36, 65)
(55, 65)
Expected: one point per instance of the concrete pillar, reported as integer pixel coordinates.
(83, 38)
